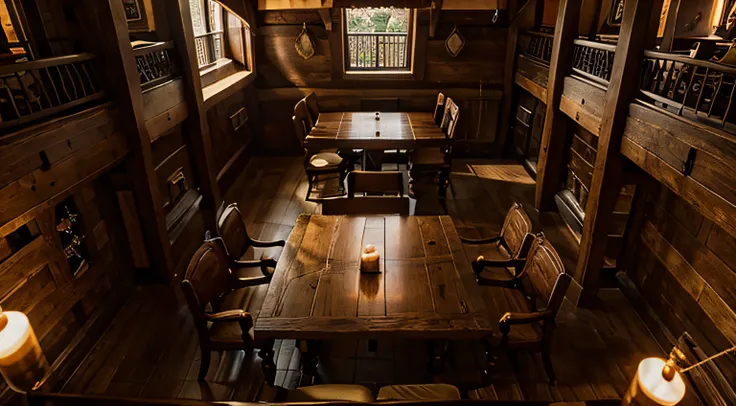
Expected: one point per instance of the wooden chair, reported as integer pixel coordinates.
(312, 107)
(439, 110)
(320, 164)
(383, 194)
(530, 302)
(209, 281)
(510, 247)
(231, 229)
(439, 160)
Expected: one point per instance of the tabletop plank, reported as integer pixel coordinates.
(358, 130)
(403, 240)
(426, 288)
(407, 288)
(452, 327)
(372, 295)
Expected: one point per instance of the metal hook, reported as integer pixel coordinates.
(495, 17)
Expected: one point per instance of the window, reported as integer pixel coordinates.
(13, 45)
(377, 39)
(208, 34)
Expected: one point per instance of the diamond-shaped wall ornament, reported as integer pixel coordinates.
(304, 44)
(454, 42)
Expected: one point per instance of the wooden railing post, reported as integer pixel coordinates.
(636, 34)
(552, 148)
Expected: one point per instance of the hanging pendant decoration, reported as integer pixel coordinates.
(454, 42)
(304, 44)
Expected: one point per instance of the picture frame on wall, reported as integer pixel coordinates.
(139, 15)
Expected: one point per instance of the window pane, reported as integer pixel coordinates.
(195, 9)
(377, 38)
(215, 21)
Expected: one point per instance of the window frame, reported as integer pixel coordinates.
(410, 50)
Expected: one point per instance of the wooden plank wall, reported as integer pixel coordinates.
(685, 268)
(67, 308)
(284, 77)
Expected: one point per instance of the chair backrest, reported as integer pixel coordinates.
(544, 278)
(383, 182)
(385, 195)
(367, 205)
(302, 121)
(207, 277)
(312, 107)
(439, 109)
(516, 227)
(452, 111)
(231, 228)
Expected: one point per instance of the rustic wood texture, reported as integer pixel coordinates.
(362, 130)
(551, 160)
(151, 349)
(636, 35)
(316, 287)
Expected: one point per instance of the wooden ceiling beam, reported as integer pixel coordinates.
(293, 4)
(265, 5)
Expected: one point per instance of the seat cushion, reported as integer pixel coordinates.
(345, 393)
(228, 334)
(501, 300)
(429, 392)
(324, 160)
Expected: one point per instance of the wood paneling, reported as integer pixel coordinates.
(280, 69)
(686, 274)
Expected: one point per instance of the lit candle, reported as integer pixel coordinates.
(655, 383)
(22, 362)
(369, 259)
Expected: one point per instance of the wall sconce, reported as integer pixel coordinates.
(659, 382)
(22, 362)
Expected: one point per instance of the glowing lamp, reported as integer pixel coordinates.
(22, 362)
(657, 382)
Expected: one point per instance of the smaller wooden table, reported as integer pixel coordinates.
(358, 131)
(426, 290)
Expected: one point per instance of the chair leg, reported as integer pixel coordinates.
(204, 366)
(310, 182)
(547, 359)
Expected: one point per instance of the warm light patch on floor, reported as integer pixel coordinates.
(506, 173)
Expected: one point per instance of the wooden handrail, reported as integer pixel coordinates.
(159, 46)
(208, 34)
(719, 67)
(540, 34)
(595, 44)
(44, 63)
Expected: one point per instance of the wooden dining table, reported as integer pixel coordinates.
(425, 290)
(360, 130)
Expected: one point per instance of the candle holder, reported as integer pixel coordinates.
(22, 362)
(369, 260)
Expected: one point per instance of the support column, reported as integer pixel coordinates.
(122, 80)
(196, 129)
(638, 32)
(552, 148)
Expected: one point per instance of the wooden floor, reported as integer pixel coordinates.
(151, 348)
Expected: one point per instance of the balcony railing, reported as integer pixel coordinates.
(154, 63)
(593, 60)
(690, 87)
(384, 51)
(209, 48)
(539, 46)
(33, 90)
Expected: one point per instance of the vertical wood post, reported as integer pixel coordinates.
(196, 129)
(122, 80)
(638, 31)
(552, 148)
(508, 76)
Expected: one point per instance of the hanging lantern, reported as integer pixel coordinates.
(22, 362)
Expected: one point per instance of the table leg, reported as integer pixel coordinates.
(373, 160)
(438, 356)
(268, 366)
(309, 359)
